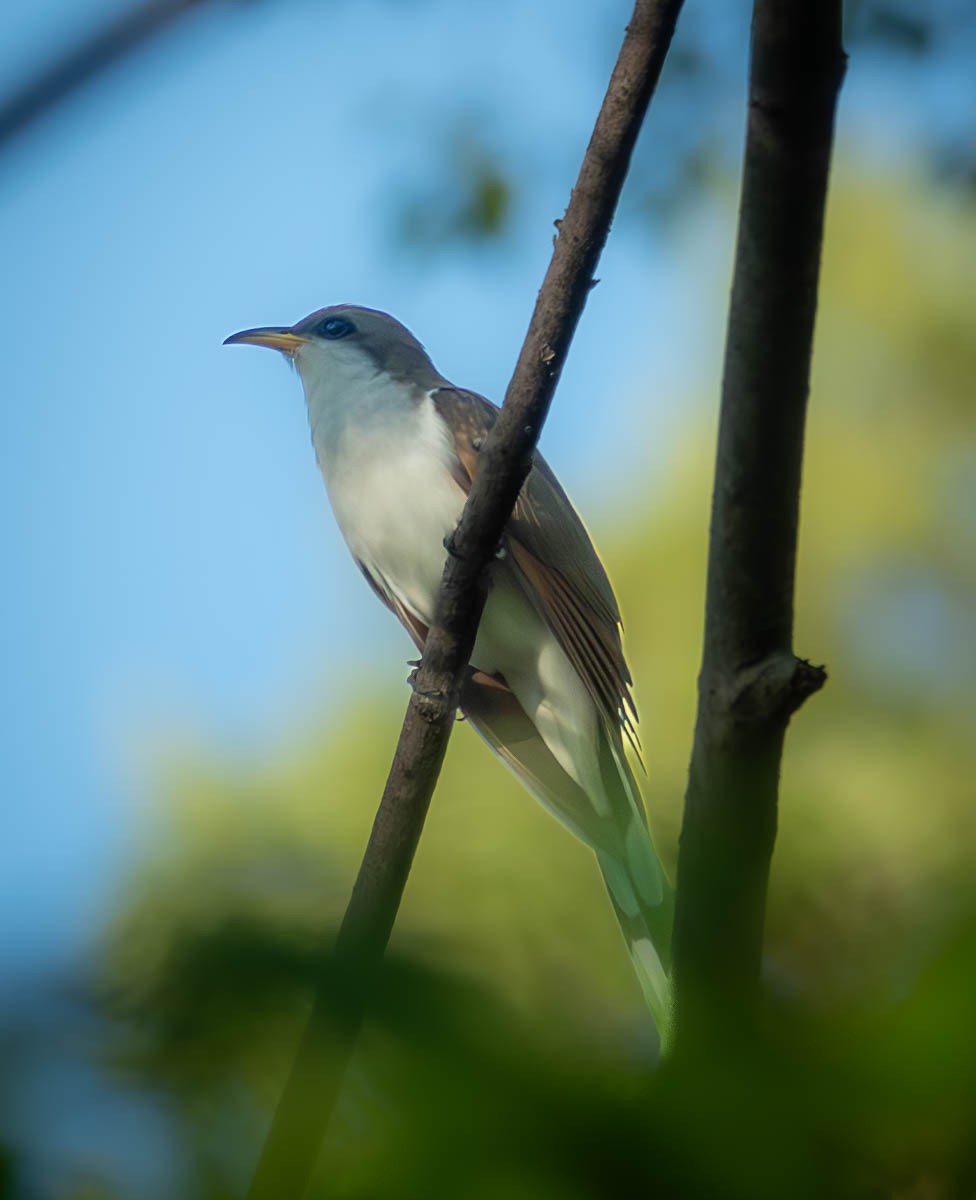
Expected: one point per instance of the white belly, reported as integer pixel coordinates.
(395, 499)
(514, 641)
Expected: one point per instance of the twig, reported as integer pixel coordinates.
(299, 1124)
(86, 60)
(750, 680)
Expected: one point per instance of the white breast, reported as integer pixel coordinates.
(386, 457)
(387, 469)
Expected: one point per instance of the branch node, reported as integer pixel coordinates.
(807, 679)
(434, 699)
(772, 689)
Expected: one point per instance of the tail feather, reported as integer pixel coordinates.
(639, 889)
(647, 932)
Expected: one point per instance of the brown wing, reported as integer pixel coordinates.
(574, 598)
(495, 713)
(498, 717)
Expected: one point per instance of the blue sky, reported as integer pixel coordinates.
(174, 575)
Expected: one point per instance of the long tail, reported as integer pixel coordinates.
(646, 931)
(639, 889)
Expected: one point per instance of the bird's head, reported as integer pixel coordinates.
(346, 341)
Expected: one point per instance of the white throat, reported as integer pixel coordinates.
(346, 394)
(386, 456)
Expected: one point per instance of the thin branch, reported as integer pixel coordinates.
(750, 680)
(299, 1124)
(86, 60)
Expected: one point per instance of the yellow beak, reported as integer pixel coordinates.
(274, 338)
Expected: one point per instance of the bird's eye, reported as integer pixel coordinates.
(335, 327)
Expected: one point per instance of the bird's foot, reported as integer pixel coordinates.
(427, 693)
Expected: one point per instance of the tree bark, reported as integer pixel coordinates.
(299, 1124)
(751, 681)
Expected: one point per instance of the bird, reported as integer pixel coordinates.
(547, 687)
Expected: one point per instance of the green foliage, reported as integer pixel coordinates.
(454, 1095)
(468, 199)
(507, 1052)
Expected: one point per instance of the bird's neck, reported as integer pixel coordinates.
(352, 404)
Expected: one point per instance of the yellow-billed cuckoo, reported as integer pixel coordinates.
(548, 687)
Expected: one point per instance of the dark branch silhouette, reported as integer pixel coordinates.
(306, 1104)
(87, 59)
(751, 681)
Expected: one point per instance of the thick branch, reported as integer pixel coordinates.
(750, 680)
(504, 462)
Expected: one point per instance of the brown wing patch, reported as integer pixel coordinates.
(469, 417)
(575, 598)
(591, 643)
(495, 713)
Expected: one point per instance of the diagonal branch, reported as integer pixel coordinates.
(306, 1104)
(89, 58)
(750, 680)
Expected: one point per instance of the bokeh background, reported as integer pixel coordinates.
(200, 698)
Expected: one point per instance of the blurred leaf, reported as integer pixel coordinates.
(468, 199)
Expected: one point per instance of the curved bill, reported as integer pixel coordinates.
(273, 337)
